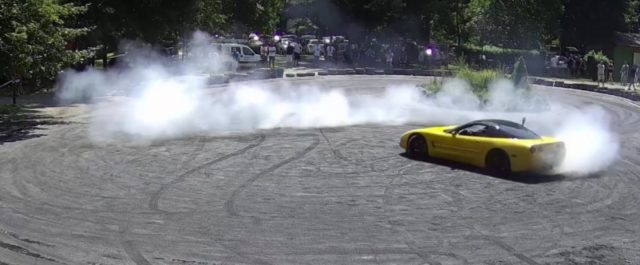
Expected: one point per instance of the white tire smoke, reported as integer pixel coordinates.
(164, 103)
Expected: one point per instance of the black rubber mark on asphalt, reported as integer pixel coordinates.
(247, 257)
(155, 197)
(408, 240)
(335, 152)
(24, 251)
(134, 254)
(507, 248)
(30, 241)
(230, 204)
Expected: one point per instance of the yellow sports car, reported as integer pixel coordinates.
(500, 146)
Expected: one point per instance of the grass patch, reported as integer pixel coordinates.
(11, 110)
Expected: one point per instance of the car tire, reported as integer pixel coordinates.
(417, 147)
(498, 164)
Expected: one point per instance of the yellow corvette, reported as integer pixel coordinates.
(500, 146)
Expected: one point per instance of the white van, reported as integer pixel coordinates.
(245, 54)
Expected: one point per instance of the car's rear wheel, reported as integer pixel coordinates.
(498, 164)
(417, 147)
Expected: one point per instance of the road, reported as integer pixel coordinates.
(341, 195)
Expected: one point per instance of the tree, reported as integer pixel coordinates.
(515, 24)
(34, 37)
(591, 24)
(210, 16)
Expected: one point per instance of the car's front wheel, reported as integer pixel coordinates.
(498, 164)
(417, 147)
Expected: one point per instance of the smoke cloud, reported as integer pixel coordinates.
(170, 99)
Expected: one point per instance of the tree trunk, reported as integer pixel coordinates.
(105, 60)
(14, 93)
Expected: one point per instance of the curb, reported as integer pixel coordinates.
(587, 87)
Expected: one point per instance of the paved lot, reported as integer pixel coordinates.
(307, 196)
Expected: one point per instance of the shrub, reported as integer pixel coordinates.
(598, 56)
(520, 75)
(479, 81)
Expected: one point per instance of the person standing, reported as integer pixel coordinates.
(610, 71)
(624, 74)
(632, 77)
(289, 52)
(264, 53)
(297, 50)
(389, 58)
(636, 76)
(601, 73)
(317, 51)
(272, 55)
(330, 52)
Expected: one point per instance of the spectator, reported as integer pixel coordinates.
(317, 51)
(330, 53)
(297, 50)
(624, 74)
(389, 58)
(610, 71)
(272, 55)
(289, 52)
(601, 72)
(572, 65)
(636, 76)
(348, 54)
(632, 76)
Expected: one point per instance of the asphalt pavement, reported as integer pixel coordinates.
(342, 195)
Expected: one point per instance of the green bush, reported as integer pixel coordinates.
(478, 80)
(598, 56)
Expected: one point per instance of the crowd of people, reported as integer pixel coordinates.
(366, 53)
(629, 74)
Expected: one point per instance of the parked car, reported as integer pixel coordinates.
(245, 54)
(304, 40)
(312, 45)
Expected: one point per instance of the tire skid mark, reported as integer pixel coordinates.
(219, 239)
(155, 197)
(506, 247)
(134, 254)
(230, 204)
(370, 164)
(408, 240)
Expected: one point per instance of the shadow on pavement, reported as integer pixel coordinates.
(525, 178)
(19, 123)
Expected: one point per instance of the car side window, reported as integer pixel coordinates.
(247, 51)
(474, 130)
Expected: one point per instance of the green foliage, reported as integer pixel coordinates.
(591, 24)
(210, 16)
(506, 57)
(598, 56)
(10, 109)
(478, 80)
(515, 24)
(33, 38)
(520, 75)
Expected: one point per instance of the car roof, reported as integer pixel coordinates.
(496, 122)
